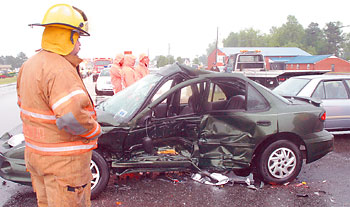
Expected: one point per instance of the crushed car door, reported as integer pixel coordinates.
(234, 119)
(178, 126)
(181, 118)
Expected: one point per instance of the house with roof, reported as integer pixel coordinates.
(314, 62)
(219, 56)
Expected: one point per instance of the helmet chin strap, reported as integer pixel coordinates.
(71, 36)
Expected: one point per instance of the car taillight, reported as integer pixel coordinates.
(323, 116)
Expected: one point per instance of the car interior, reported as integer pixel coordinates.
(203, 97)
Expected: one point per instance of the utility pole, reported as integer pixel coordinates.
(168, 49)
(216, 47)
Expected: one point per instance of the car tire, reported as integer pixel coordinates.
(280, 162)
(242, 172)
(100, 173)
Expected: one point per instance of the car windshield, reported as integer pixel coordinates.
(291, 87)
(102, 62)
(126, 102)
(105, 72)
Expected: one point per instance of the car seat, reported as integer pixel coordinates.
(236, 102)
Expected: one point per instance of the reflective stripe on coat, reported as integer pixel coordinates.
(57, 112)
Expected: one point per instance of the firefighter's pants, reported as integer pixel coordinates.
(60, 180)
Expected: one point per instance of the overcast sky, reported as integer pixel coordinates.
(183, 27)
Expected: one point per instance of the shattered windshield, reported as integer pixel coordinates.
(126, 102)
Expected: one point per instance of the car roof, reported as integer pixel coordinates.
(324, 76)
(176, 67)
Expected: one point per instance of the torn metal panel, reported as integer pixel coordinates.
(223, 144)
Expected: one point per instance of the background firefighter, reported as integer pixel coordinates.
(142, 67)
(116, 73)
(59, 120)
(129, 74)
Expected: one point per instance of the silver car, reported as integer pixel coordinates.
(103, 84)
(333, 90)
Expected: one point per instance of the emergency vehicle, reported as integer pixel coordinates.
(252, 65)
(98, 65)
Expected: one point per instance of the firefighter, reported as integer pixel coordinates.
(129, 74)
(142, 67)
(59, 120)
(116, 73)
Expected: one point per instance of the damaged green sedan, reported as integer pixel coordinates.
(180, 119)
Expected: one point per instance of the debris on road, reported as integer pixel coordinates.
(210, 179)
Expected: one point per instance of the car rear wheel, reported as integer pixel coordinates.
(280, 162)
(100, 174)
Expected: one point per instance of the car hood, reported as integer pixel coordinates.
(103, 79)
(106, 119)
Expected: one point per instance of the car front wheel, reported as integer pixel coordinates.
(100, 174)
(280, 162)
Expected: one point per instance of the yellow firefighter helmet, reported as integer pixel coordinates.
(66, 16)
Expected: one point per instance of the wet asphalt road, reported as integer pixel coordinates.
(327, 184)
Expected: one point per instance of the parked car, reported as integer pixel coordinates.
(180, 119)
(333, 90)
(104, 85)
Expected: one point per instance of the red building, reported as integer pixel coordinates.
(284, 58)
(318, 62)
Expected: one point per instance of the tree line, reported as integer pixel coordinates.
(315, 40)
(15, 62)
(329, 40)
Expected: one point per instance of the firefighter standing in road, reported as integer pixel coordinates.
(57, 112)
(116, 73)
(142, 67)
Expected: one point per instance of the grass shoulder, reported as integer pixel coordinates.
(8, 80)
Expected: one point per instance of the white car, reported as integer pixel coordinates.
(103, 84)
(332, 90)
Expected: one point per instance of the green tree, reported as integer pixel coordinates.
(346, 47)
(203, 59)
(334, 38)
(245, 38)
(180, 60)
(20, 59)
(195, 61)
(15, 62)
(161, 61)
(170, 59)
(10, 60)
(290, 34)
(315, 42)
(211, 48)
(2, 60)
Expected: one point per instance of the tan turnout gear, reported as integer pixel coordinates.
(58, 118)
(58, 115)
(142, 67)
